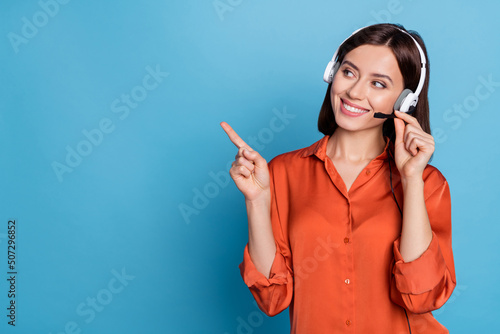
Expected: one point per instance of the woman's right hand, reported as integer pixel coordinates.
(249, 170)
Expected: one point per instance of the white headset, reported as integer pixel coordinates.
(407, 100)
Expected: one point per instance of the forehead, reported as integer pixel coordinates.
(375, 59)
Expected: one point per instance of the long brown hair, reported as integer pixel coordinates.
(408, 58)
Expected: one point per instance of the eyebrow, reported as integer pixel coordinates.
(378, 75)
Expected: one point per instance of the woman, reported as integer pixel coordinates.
(354, 232)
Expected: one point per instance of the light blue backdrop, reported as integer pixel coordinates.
(113, 162)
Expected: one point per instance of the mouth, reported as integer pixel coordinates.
(351, 109)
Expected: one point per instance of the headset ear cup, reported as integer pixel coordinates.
(327, 77)
(330, 71)
(335, 69)
(401, 99)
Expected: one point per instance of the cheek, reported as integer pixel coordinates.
(333, 94)
(338, 86)
(383, 103)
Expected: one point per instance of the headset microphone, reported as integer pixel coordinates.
(407, 100)
(382, 115)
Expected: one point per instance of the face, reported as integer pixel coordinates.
(368, 81)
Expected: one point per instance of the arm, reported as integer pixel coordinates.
(425, 283)
(250, 173)
(266, 260)
(272, 288)
(261, 245)
(416, 233)
(423, 274)
(413, 149)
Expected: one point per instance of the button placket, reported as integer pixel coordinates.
(347, 289)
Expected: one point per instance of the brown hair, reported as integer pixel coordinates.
(408, 58)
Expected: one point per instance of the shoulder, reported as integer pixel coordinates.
(286, 158)
(432, 174)
(433, 180)
(285, 164)
(297, 158)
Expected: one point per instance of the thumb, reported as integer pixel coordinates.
(254, 156)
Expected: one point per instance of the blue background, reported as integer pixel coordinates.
(120, 208)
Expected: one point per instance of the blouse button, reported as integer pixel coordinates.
(347, 281)
(368, 172)
(346, 240)
(347, 322)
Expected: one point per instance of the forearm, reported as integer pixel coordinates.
(261, 244)
(416, 233)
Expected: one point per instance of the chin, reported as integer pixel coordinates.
(356, 124)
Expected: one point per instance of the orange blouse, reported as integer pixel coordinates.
(337, 264)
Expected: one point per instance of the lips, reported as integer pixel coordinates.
(352, 109)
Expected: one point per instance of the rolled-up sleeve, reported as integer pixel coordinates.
(272, 294)
(427, 282)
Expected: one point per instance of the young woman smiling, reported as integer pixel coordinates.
(353, 233)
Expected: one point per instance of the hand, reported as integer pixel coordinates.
(249, 170)
(413, 147)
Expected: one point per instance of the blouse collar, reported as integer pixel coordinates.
(319, 149)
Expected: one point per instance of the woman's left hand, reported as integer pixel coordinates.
(413, 147)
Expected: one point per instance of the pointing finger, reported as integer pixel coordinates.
(233, 136)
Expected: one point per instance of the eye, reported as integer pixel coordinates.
(379, 84)
(347, 73)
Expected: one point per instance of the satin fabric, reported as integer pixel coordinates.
(337, 264)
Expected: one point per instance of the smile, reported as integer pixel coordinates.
(353, 109)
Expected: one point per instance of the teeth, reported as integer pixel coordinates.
(352, 109)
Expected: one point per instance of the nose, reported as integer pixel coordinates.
(357, 90)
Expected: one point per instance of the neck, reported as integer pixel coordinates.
(355, 146)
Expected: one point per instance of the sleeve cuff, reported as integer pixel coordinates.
(422, 274)
(254, 278)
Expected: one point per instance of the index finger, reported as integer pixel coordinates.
(407, 118)
(233, 136)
